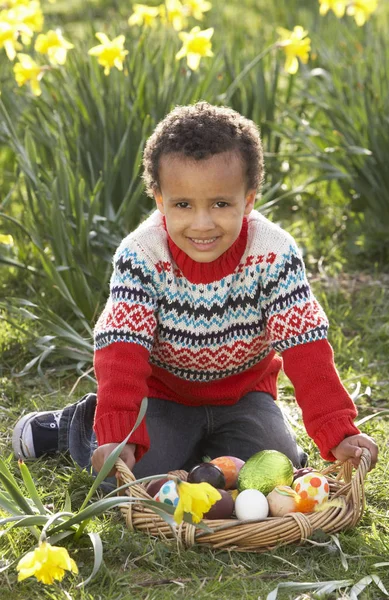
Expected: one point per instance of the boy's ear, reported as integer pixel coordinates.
(249, 201)
(159, 201)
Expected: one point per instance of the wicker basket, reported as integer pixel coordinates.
(257, 536)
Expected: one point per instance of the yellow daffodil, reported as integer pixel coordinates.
(6, 239)
(144, 15)
(28, 18)
(25, 19)
(361, 10)
(54, 45)
(11, 3)
(296, 46)
(197, 8)
(196, 44)
(337, 6)
(8, 39)
(27, 70)
(109, 53)
(195, 499)
(46, 563)
(173, 13)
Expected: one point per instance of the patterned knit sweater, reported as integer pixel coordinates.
(209, 333)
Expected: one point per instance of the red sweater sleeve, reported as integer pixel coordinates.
(122, 370)
(328, 410)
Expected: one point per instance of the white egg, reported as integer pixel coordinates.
(251, 505)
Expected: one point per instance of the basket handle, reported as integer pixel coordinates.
(346, 468)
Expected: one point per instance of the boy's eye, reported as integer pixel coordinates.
(221, 204)
(182, 204)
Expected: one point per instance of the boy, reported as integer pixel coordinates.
(203, 295)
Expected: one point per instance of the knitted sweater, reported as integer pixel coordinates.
(209, 333)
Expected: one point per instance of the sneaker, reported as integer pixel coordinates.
(36, 434)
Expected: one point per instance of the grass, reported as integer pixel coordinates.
(139, 567)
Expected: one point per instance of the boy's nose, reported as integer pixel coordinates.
(202, 221)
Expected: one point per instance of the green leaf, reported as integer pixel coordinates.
(8, 505)
(16, 494)
(29, 483)
(24, 520)
(98, 557)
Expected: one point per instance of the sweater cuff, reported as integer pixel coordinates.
(332, 433)
(114, 427)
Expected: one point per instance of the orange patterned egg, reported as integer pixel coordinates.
(230, 467)
(313, 487)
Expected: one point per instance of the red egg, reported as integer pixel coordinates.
(223, 508)
(155, 485)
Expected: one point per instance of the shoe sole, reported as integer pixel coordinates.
(20, 449)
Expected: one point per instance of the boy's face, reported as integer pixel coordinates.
(204, 202)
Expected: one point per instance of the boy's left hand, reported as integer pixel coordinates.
(351, 448)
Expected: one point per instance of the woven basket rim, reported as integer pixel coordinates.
(256, 536)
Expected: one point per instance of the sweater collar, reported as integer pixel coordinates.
(199, 272)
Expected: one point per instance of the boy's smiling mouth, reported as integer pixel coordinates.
(203, 243)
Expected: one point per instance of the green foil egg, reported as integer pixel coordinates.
(264, 471)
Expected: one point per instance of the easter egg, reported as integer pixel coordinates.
(251, 505)
(153, 487)
(230, 467)
(223, 508)
(282, 500)
(264, 471)
(168, 493)
(313, 487)
(209, 473)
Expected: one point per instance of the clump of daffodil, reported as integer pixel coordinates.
(337, 6)
(11, 3)
(28, 71)
(173, 13)
(195, 499)
(296, 45)
(144, 15)
(197, 8)
(9, 39)
(54, 45)
(27, 19)
(195, 45)
(46, 563)
(110, 53)
(362, 10)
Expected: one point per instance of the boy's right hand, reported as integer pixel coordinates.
(101, 454)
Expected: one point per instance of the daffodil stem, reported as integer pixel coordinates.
(81, 529)
(290, 89)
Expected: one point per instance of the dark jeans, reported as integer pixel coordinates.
(180, 436)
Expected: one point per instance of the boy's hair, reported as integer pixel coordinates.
(199, 131)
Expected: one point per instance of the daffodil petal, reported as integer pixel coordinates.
(291, 65)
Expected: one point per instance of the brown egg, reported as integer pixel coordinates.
(223, 508)
(282, 500)
(153, 487)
